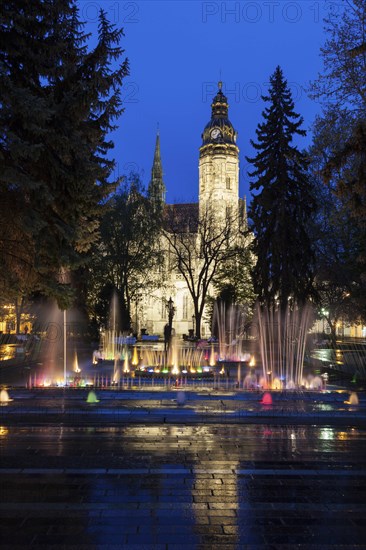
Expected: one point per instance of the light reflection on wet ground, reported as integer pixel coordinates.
(66, 406)
(170, 486)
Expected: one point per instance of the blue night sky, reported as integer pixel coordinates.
(176, 51)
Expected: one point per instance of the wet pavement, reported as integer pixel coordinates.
(283, 483)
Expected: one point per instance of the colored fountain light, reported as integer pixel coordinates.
(250, 382)
(92, 397)
(126, 367)
(135, 358)
(353, 399)
(75, 365)
(175, 359)
(4, 397)
(174, 356)
(175, 369)
(267, 399)
(212, 356)
(228, 324)
(115, 370)
(281, 339)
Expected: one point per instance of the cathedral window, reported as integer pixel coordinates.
(163, 308)
(228, 183)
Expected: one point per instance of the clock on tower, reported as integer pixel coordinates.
(219, 158)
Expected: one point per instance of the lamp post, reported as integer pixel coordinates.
(171, 312)
(168, 327)
(65, 348)
(193, 320)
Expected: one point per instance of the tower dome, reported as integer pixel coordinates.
(219, 161)
(219, 130)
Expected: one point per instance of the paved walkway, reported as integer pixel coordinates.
(172, 487)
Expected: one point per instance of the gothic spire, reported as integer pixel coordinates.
(157, 170)
(156, 189)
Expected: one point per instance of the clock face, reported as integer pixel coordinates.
(215, 133)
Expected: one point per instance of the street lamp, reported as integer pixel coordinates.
(171, 312)
(168, 327)
(193, 320)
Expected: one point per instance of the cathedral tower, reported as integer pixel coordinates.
(156, 189)
(219, 160)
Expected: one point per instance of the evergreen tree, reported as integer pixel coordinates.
(59, 100)
(283, 202)
(128, 253)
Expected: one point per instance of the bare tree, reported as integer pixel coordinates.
(198, 243)
(342, 81)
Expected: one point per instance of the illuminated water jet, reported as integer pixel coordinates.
(92, 398)
(282, 339)
(228, 324)
(4, 397)
(267, 399)
(75, 365)
(353, 399)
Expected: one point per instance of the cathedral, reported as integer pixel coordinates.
(218, 191)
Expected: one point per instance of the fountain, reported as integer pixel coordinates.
(353, 399)
(282, 339)
(52, 345)
(279, 340)
(228, 324)
(92, 398)
(126, 368)
(179, 359)
(76, 368)
(4, 397)
(113, 341)
(267, 399)
(135, 358)
(250, 382)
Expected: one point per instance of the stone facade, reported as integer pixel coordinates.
(218, 191)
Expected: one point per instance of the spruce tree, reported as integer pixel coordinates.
(282, 203)
(59, 101)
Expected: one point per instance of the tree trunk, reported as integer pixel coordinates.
(198, 316)
(333, 332)
(18, 313)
